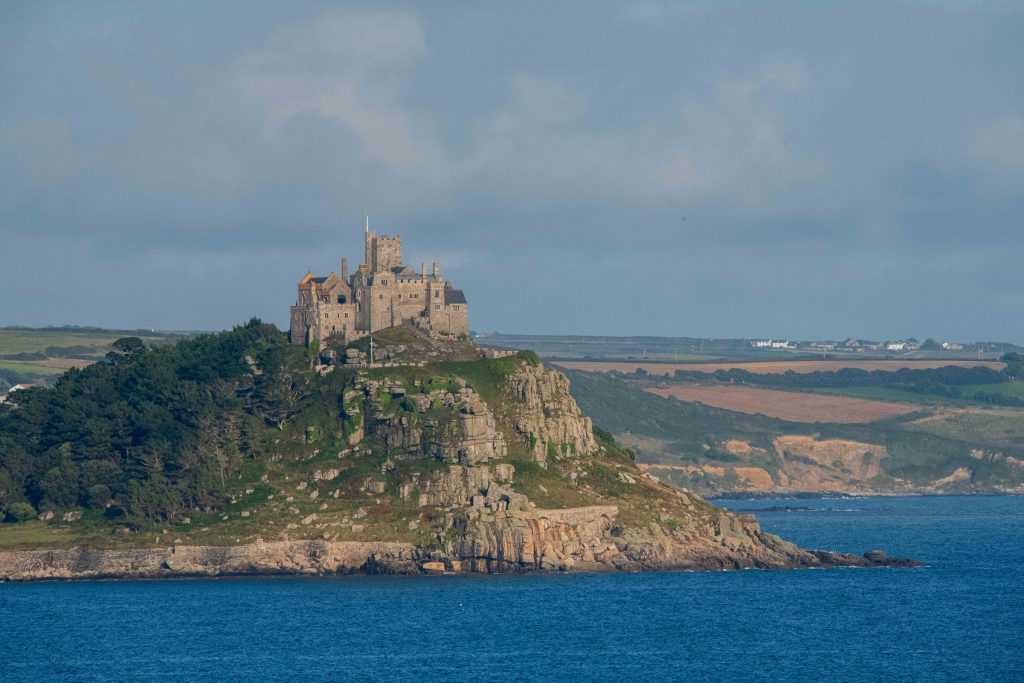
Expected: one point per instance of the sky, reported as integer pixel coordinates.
(790, 170)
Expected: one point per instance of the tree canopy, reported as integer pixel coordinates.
(150, 432)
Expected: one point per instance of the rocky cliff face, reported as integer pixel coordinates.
(547, 416)
(516, 483)
(274, 558)
(454, 426)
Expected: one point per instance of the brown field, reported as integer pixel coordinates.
(787, 405)
(775, 366)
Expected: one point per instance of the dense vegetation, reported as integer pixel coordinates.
(946, 381)
(150, 432)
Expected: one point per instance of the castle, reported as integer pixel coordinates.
(382, 293)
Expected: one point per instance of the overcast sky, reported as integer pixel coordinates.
(713, 169)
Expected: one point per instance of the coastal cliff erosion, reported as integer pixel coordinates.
(545, 541)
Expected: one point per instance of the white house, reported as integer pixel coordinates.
(16, 387)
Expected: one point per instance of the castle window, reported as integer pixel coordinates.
(437, 307)
(437, 294)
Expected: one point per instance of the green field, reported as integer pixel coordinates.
(1014, 389)
(21, 340)
(29, 369)
(983, 429)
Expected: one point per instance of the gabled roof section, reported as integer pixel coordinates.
(454, 296)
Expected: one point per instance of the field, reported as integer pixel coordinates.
(38, 356)
(787, 405)
(21, 340)
(30, 369)
(774, 367)
(983, 427)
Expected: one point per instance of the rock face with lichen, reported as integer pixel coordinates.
(455, 427)
(513, 482)
(546, 415)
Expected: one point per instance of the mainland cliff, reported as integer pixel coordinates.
(314, 462)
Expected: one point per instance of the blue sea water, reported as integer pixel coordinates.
(959, 618)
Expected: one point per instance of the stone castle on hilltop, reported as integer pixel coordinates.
(382, 293)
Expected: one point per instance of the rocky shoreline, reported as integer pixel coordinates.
(326, 558)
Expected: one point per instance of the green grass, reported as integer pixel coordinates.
(29, 369)
(991, 429)
(1013, 389)
(16, 340)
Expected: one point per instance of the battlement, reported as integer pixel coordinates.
(383, 252)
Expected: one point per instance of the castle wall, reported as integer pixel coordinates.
(375, 298)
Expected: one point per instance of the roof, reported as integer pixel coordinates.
(405, 273)
(320, 280)
(454, 296)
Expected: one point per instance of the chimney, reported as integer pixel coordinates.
(423, 269)
(344, 269)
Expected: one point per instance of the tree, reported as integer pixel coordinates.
(98, 496)
(126, 350)
(20, 512)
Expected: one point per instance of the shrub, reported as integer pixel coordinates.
(602, 436)
(530, 357)
(20, 512)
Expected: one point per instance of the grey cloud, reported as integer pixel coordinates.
(842, 169)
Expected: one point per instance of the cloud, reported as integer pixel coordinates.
(826, 159)
(999, 142)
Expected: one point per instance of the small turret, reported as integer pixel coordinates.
(437, 272)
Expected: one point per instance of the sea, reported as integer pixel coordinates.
(958, 618)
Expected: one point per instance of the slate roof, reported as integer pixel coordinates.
(454, 296)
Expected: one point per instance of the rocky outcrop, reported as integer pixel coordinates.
(523, 540)
(275, 558)
(460, 486)
(453, 426)
(546, 415)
